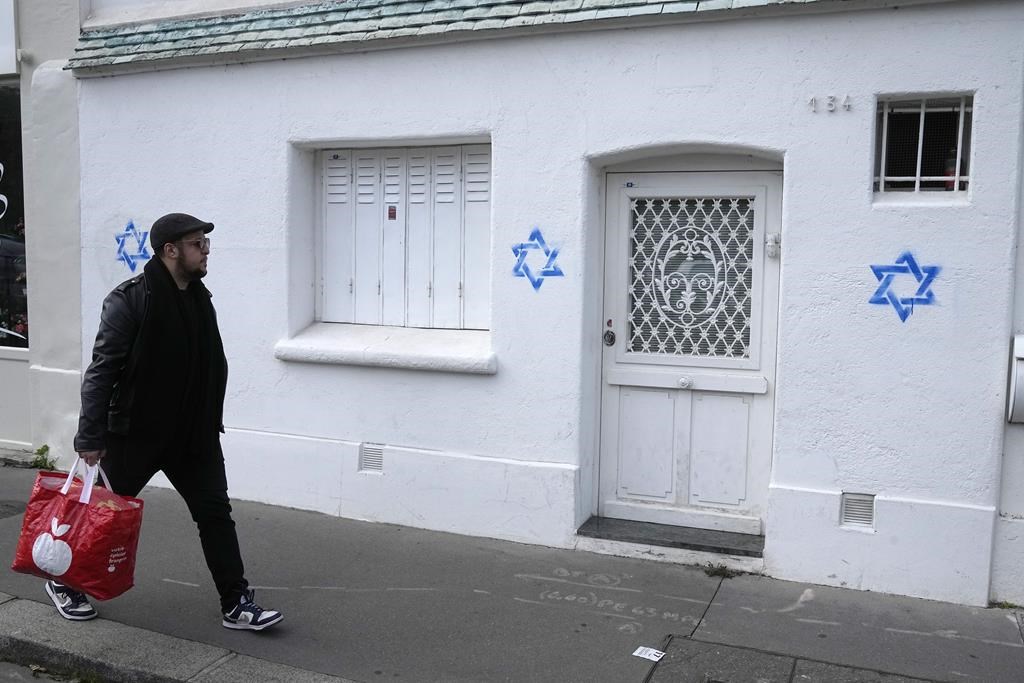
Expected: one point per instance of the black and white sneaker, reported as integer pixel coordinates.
(248, 616)
(70, 603)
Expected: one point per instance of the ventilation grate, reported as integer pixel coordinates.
(371, 457)
(857, 509)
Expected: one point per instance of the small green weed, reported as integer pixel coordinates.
(1003, 604)
(43, 461)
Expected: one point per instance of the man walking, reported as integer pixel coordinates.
(153, 398)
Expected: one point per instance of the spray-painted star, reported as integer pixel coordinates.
(522, 250)
(905, 264)
(141, 253)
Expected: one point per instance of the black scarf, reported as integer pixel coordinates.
(182, 370)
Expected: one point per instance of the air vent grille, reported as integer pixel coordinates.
(858, 510)
(371, 457)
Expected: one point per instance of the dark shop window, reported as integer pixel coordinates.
(13, 278)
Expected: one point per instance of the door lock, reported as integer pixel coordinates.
(609, 338)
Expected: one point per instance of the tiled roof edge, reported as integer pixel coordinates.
(338, 25)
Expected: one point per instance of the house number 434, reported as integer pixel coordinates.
(830, 103)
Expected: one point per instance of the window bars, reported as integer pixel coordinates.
(923, 145)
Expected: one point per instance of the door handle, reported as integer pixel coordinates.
(609, 338)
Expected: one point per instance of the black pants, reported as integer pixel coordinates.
(199, 478)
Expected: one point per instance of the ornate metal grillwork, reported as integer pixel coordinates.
(691, 273)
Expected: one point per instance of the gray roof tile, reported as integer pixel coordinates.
(645, 9)
(492, 11)
(521, 20)
(588, 4)
(327, 22)
(680, 6)
(488, 24)
(582, 15)
(612, 12)
(430, 29)
(716, 4)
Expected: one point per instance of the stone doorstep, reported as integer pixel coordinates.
(664, 535)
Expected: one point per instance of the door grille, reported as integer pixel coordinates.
(691, 275)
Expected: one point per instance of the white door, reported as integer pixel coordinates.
(691, 301)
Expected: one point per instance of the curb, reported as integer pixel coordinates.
(32, 633)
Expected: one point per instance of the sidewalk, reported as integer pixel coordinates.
(372, 602)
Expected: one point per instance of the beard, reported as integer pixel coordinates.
(191, 273)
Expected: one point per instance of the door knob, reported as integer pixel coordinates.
(609, 338)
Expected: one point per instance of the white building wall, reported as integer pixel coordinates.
(40, 384)
(911, 412)
(1008, 560)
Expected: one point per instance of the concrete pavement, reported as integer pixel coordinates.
(375, 602)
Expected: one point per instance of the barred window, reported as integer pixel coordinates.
(923, 144)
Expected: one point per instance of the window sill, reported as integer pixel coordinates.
(467, 351)
(923, 199)
(14, 353)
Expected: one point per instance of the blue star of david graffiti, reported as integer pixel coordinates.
(522, 269)
(141, 253)
(905, 264)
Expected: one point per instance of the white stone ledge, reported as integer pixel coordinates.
(467, 351)
(14, 353)
(902, 200)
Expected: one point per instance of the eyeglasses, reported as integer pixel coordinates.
(202, 244)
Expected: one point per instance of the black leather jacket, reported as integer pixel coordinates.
(108, 387)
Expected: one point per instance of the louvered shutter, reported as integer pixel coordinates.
(406, 236)
(476, 164)
(368, 237)
(419, 253)
(338, 268)
(447, 270)
(393, 239)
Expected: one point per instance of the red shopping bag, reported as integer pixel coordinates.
(81, 535)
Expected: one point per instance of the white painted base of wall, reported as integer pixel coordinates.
(16, 417)
(529, 502)
(924, 549)
(56, 404)
(1008, 561)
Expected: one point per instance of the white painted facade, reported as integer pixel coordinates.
(499, 433)
(40, 383)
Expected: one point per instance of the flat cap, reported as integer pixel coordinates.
(174, 226)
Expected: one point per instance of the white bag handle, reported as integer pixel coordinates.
(88, 482)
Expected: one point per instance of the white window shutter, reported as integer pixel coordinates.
(419, 236)
(407, 236)
(476, 164)
(368, 210)
(393, 239)
(447, 270)
(338, 267)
